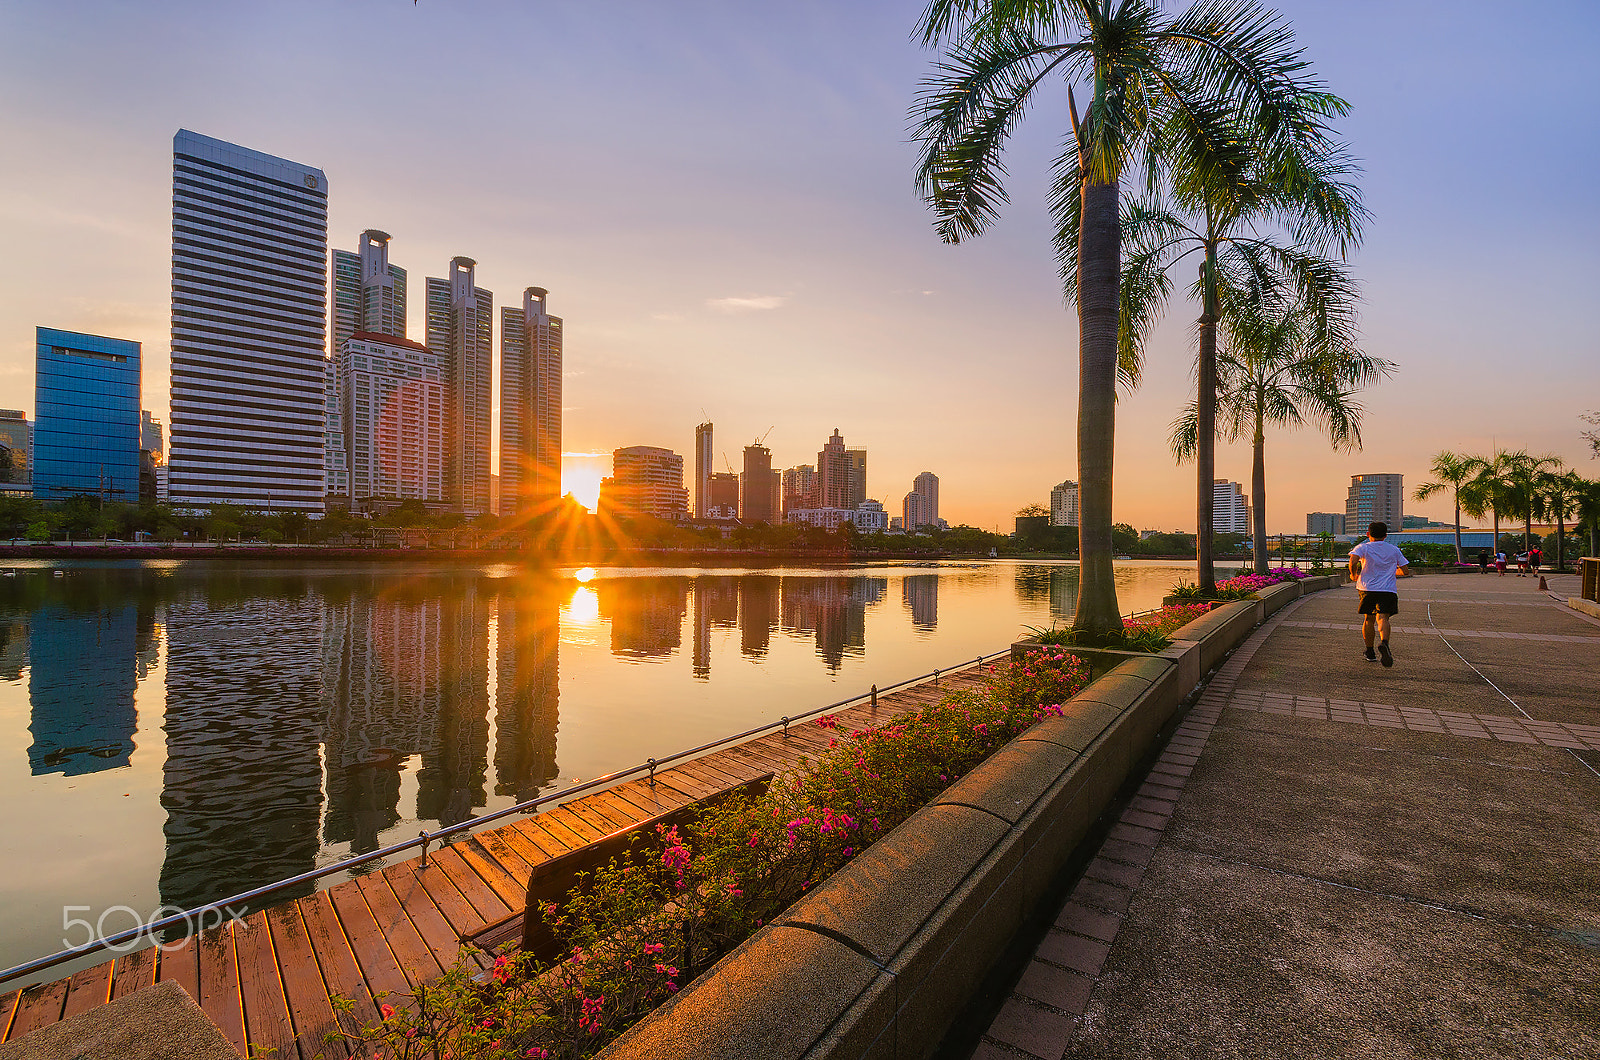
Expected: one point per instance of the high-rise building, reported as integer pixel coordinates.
(1373, 499)
(86, 398)
(1324, 522)
(724, 496)
(833, 474)
(645, 481)
(16, 445)
(369, 294)
(799, 489)
(1231, 509)
(152, 455)
(530, 406)
(336, 457)
(758, 486)
(857, 489)
(1064, 504)
(249, 327)
(393, 418)
(704, 468)
(921, 505)
(460, 331)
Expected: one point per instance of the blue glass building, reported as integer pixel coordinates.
(86, 409)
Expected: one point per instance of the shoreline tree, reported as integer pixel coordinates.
(1450, 471)
(1159, 87)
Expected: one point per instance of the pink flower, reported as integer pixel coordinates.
(387, 1011)
(653, 947)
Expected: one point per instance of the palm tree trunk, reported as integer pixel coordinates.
(1099, 262)
(1458, 523)
(1258, 494)
(1205, 439)
(1561, 536)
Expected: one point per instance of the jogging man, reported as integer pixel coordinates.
(1375, 564)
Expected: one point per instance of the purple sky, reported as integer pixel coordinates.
(719, 198)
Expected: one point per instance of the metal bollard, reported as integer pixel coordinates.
(652, 765)
(874, 697)
(936, 678)
(786, 727)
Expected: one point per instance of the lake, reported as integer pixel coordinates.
(176, 732)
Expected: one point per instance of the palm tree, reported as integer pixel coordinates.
(1231, 221)
(1450, 471)
(1490, 490)
(1277, 370)
(1523, 473)
(1588, 505)
(1558, 497)
(1159, 88)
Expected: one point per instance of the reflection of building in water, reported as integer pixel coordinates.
(455, 769)
(834, 609)
(758, 612)
(380, 694)
(13, 648)
(646, 614)
(528, 690)
(81, 678)
(716, 603)
(1057, 586)
(243, 776)
(921, 594)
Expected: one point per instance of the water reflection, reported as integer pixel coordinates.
(1056, 586)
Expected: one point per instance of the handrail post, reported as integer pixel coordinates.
(936, 678)
(786, 727)
(652, 765)
(425, 837)
(874, 697)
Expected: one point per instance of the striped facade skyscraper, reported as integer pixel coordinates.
(249, 328)
(460, 331)
(530, 406)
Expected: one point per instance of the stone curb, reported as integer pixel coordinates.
(879, 959)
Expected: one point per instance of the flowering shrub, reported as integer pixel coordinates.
(1165, 622)
(648, 922)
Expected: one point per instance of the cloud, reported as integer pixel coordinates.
(746, 305)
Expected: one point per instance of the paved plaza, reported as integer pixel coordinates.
(1333, 859)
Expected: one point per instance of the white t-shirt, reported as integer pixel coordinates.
(1379, 561)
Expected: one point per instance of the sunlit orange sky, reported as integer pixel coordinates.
(719, 198)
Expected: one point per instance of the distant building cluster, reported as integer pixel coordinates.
(1369, 499)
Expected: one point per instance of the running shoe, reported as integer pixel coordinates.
(1372, 656)
(1388, 660)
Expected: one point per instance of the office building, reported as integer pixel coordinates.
(249, 328)
(16, 435)
(393, 397)
(152, 455)
(758, 486)
(86, 398)
(460, 331)
(921, 506)
(369, 294)
(336, 458)
(1374, 498)
(870, 518)
(841, 474)
(1324, 523)
(826, 518)
(704, 468)
(645, 481)
(799, 489)
(1064, 504)
(1231, 511)
(724, 496)
(530, 406)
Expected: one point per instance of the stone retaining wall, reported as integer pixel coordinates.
(877, 961)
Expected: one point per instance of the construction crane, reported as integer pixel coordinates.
(761, 440)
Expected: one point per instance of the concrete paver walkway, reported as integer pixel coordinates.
(1333, 859)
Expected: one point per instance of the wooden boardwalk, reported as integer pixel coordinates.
(267, 980)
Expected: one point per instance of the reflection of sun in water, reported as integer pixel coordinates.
(583, 610)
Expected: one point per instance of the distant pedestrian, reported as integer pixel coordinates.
(1375, 564)
(1483, 561)
(1500, 563)
(1535, 557)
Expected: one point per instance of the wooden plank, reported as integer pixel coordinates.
(479, 895)
(303, 987)
(89, 988)
(393, 955)
(507, 887)
(267, 1023)
(39, 1006)
(180, 962)
(652, 802)
(620, 814)
(219, 983)
(341, 973)
(419, 888)
(133, 970)
(505, 853)
(529, 841)
(587, 811)
(724, 778)
(559, 830)
(8, 1008)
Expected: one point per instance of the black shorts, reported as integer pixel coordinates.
(1379, 603)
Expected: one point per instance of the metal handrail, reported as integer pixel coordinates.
(191, 917)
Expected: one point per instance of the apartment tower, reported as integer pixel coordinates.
(1372, 499)
(704, 468)
(249, 327)
(1231, 509)
(758, 487)
(369, 294)
(460, 331)
(530, 406)
(921, 505)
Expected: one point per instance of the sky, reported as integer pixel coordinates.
(719, 197)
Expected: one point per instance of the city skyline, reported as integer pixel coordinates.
(774, 277)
